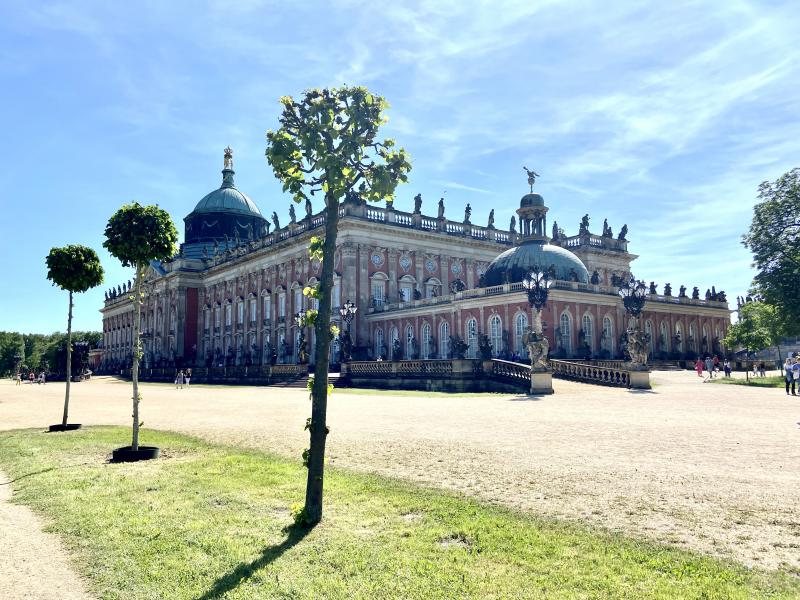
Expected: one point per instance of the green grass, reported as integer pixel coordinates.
(211, 521)
(773, 381)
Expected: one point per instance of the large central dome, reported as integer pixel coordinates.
(514, 264)
(227, 199)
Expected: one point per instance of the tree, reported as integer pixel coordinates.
(136, 235)
(73, 268)
(327, 143)
(760, 326)
(774, 239)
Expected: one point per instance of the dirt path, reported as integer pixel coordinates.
(709, 467)
(32, 563)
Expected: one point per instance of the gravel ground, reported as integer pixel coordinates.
(713, 468)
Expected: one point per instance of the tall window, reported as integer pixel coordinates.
(520, 328)
(266, 303)
(378, 293)
(472, 338)
(394, 336)
(206, 319)
(227, 315)
(379, 343)
(425, 350)
(282, 306)
(608, 335)
(240, 312)
(217, 316)
(253, 309)
(679, 337)
(662, 333)
(588, 330)
(565, 324)
(409, 341)
(444, 340)
(495, 334)
(298, 300)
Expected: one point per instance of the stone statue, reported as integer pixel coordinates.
(441, 208)
(267, 225)
(667, 289)
(490, 224)
(708, 294)
(721, 297)
(418, 203)
(584, 227)
(695, 293)
(623, 232)
(555, 230)
(302, 352)
(532, 175)
(227, 158)
(275, 220)
(713, 292)
(397, 350)
(513, 225)
(309, 209)
(467, 214)
(653, 287)
(106, 295)
(595, 278)
(573, 275)
(605, 228)
(637, 347)
(292, 215)
(682, 292)
(538, 348)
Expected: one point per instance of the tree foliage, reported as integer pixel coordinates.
(74, 268)
(327, 143)
(774, 239)
(46, 352)
(137, 234)
(760, 326)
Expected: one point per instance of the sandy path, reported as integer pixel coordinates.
(709, 467)
(32, 563)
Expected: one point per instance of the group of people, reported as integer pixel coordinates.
(183, 377)
(32, 378)
(791, 374)
(712, 366)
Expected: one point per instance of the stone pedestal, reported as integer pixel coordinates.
(541, 383)
(640, 380)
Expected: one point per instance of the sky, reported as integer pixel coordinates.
(663, 116)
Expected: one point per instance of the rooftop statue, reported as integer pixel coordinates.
(275, 220)
(309, 209)
(513, 225)
(490, 224)
(467, 213)
(441, 208)
(623, 232)
(418, 203)
(228, 158)
(555, 230)
(292, 214)
(584, 228)
(682, 292)
(696, 293)
(532, 175)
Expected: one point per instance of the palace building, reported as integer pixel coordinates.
(419, 283)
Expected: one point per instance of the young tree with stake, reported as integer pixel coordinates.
(73, 268)
(136, 235)
(327, 144)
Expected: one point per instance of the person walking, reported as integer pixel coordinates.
(179, 380)
(19, 378)
(698, 366)
(188, 377)
(787, 375)
(762, 369)
(795, 375)
(726, 366)
(710, 368)
(31, 377)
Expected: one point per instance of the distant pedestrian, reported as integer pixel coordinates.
(188, 377)
(19, 378)
(716, 363)
(179, 380)
(762, 370)
(698, 366)
(31, 377)
(726, 366)
(710, 367)
(795, 374)
(788, 376)
(42, 378)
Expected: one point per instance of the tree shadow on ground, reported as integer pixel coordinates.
(633, 391)
(233, 579)
(10, 481)
(527, 398)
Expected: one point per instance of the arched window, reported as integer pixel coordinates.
(588, 330)
(520, 328)
(425, 349)
(565, 324)
(444, 340)
(379, 343)
(267, 304)
(394, 335)
(253, 309)
(228, 314)
(663, 337)
(608, 336)
(472, 337)
(496, 334)
(240, 312)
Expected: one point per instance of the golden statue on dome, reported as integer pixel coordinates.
(228, 164)
(532, 175)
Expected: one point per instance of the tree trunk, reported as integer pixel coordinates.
(137, 301)
(69, 363)
(780, 358)
(319, 391)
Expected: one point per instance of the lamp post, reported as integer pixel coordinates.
(536, 284)
(299, 319)
(347, 312)
(634, 297)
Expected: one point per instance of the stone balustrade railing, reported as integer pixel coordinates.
(591, 372)
(516, 372)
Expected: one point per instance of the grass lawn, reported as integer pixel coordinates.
(211, 521)
(773, 381)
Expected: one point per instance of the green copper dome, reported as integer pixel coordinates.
(227, 199)
(514, 264)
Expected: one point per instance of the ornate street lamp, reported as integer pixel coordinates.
(536, 284)
(347, 312)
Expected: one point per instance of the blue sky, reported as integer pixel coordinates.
(665, 116)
